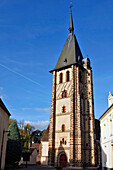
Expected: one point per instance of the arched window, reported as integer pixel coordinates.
(63, 109)
(63, 128)
(67, 76)
(61, 78)
(64, 94)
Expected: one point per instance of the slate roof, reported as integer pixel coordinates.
(2, 105)
(45, 137)
(71, 53)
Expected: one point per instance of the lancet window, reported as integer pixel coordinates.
(64, 109)
(67, 76)
(63, 128)
(61, 78)
(64, 94)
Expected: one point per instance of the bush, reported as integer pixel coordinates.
(13, 151)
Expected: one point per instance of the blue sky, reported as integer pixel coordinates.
(32, 35)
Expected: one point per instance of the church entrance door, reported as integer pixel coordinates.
(63, 160)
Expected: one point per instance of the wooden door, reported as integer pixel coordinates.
(63, 160)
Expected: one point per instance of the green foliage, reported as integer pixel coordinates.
(28, 129)
(13, 152)
(36, 136)
(11, 120)
(26, 151)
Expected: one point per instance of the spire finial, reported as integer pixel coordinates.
(71, 28)
(70, 6)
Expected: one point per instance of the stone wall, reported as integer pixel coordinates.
(78, 117)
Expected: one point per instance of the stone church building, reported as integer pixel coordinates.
(71, 130)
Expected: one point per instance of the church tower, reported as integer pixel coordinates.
(71, 133)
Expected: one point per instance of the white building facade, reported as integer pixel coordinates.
(106, 125)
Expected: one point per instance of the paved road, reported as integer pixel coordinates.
(36, 168)
(46, 168)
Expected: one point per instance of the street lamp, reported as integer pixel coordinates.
(4, 131)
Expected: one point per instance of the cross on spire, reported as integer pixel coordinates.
(70, 6)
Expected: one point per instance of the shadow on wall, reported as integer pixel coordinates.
(62, 156)
(98, 147)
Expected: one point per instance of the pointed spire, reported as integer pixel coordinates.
(71, 28)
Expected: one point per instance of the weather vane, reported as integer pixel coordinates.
(70, 5)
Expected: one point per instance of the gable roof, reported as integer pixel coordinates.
(45, 137)
(2, 105)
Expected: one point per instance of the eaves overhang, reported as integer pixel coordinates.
(65, 67)
(61, 68)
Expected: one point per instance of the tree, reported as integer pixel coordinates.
(11, 120)
(13, 152)
(28, 129)
(36, 136)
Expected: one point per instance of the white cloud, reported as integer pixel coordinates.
(38, 125)
(37, 109)
(26, 108)
(43, 109)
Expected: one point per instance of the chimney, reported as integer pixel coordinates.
(110, 99)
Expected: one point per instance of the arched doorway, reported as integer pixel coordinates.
(63, 160)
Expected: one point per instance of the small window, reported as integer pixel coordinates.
(67, 76)
(64, 94)
(61, 78)
(60, 142)
(63, 109)
(63, 128)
